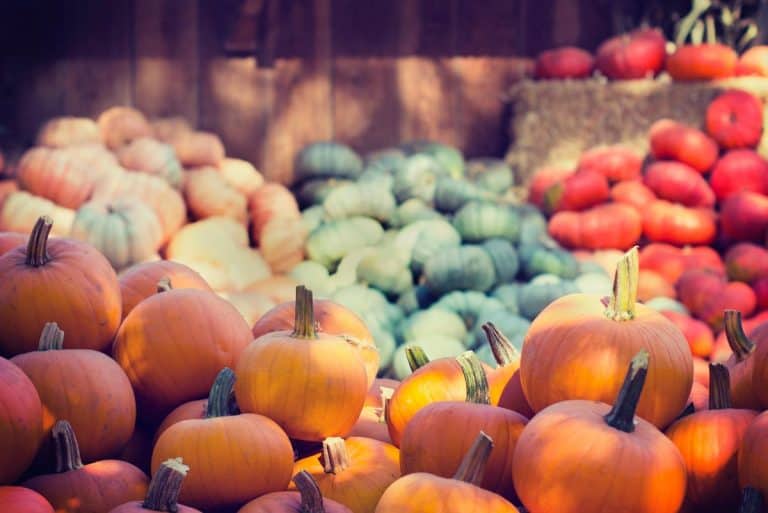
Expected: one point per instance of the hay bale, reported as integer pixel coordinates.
(553, 122)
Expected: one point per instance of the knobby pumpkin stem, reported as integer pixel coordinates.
(335, 455)
(472, 467)
(386, 395)
(622, 413)
(503, 351)
(164, 285)
(164, 489)
(37, 247)
(65, 447)
(52, 338)
(416, 357)
(719, 387)
(220, 398)
(311, 498)
(304, 323)
(734, 332)
(474, 378)
(751, 501)
(621, 304)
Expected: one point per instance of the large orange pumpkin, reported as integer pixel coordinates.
(59, 280)
(504, 381)
(751, 461)
(55, 175)
(704, 61)
(163, 492)
(577, 348)
(19, 498)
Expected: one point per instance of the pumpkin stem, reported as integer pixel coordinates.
(52, 337)
(474, 378)
(304, 324)
(65, 447)
(503, 351)
(472, 466)
(311, 498)
(37, 247)
(751, 501)
(719, 387)
(335, 455)
(734, 332)
(164, 285)
(621, 304)
(220, 398)
(622, 413)
(163, 492)
(386, 395)
(416, 357)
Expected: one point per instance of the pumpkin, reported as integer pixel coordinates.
(359, 199)
(651, 284)
(385, 269)
(253, 455)
(64, 131)
(542, 179)
(564, 62)
(760, 287)
(11, 240)
(165, 129)
(55, 175)
(327, 159)
(679, 183)
(434, 345)
(599, 439)
(632, 192)
(120, 125)
(735, 119)
(758, 335)
(541, 259)
(97, 396)
(123, 230)
(92, 488)
(671, 261)
(308, 499)
(505, 388)
(637, 54)
(280, 288)
(372, 422)
(7, 187)
(708, 294)
(449, 158)
(241, 175)
(198, 148)
(753, 62)
(281, 243)
(149, 155)
(599, 338)
(478, 221)
(338, 377)
(163, 491)
(251, 305)
(213, 332)
(664, 221)
(208, 194)
(139, 281)
(268, 201)
(746, 261)
(21, 422)
(331, 241)
(492, 174)
(751, 462)
(422, 491)
(672, 140)
(607, 226)
(744, 217)
(19, 498)
(739, 170)
(462, 268)
(616, 162)
(58, 280)
(535, 295)
(422, 239)
(697, 333)
(578, 191)
(704, 61)
(20, 210)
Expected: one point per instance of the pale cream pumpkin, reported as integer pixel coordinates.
(208, 194)
(56, 175)
(281, 242)
(251, 305)
(151, 156)
(241, 175)
(121, 125)
(68, 131)
(197, 149)
(21, 210)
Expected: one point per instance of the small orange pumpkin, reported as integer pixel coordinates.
(120, 125)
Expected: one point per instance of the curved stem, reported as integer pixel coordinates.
(304, 324)
(621, 304)
(472, 466)
(622, 413)
(386, 395)
(751, 501)
(734, 332)
(474, 377)
(164, 489)
(164, 285)
(219, 399)
(37, 247)
(311, 498)
(65, 447)
(52, 338)
(416, 357)
(719, 387)
(335, 455)
(503, 351)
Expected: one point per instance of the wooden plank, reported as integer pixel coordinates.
(166, 76)
(488, 29)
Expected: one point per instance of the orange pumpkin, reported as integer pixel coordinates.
(93, 488)
(372, 422)
(677, 224)
(607, 226)
(68, 131)
(11, 240)
(598, 339)
(504, 381)
(163, 492)
(235, 457)
(195, 148)
(271, 200)
(281, 242)
(741, 363)
(307, 499)
(567, 449)
(704, 61)
(120, 125)
(759, 336)
(310, 401)
(751, 462)
(149, 155)
(55, 175)
(19, 498)
(59, 280)
(208, 194)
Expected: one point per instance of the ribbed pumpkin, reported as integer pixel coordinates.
(120, 125)
(55, 175)
(97, 397)
(281, 243)
(323, 380)
(197, 148)
(59, 280)
(608, 226)
(674, 223)
(11, 240)
(462, 268)
(166, 128)
(19, 498)
(269, 201)
(163, 491)
(307, 499)
(741, 364)
(751, 462)
(208, 194)
(236, 457)
(598, 340)
(673, 140)
(20, 211)
(123, 230)
(149, 155)
(704, 61)
(506, 390)
(241, 175)
(93, 488)
(327, 159)
(68, 131)
(477, 221)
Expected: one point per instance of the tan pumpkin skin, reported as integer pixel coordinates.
(21, 210)
(120, 125)
(55, 175)
(151, 156)
(208, 194)
(241, 175)
(269, 201)
(281, 242)
(197, 148)
(68, 131)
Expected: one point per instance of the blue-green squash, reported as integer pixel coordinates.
(479, 220)
(504, 258)
(330, 241)
(327, 159)
(459, 268)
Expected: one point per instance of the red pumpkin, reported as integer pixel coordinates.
(564, 62)
(744, 217)
(707, 295)
(741, 363)
(542, 179)
(607, 226)
(671, 261)
(680, 183)
(308, 499)
(760, 286)
(722, 351)
(677, 224)
(23, 500)
(578, 191)
(697, 333)
(747, 262)
(705, 61)
(633, 193)
(735, 119)
(672, 140)
(753, 62)
(11, 240)
(637, 54)
(739, 170)
(616, 162)
(752, 465)
(653, 284)
(759, 337)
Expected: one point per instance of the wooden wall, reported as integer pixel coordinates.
(271, 75)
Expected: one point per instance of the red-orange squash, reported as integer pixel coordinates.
(19, 498)
(564, 62)
(735, 119)
(672, 140)
(677, 224)
(704, 61)
(607, 226)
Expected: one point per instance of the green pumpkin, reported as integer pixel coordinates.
(417, 178)
(542, 260)
(314, 276)
(435, 346)
(662, 303)
(459, 268)
(535, 295)
(514, 327)
(452, 194)
(412, 210)
(469, 305)
(533, 225)
(504, 258)
(357, 199)
(332, 240)
(385, 270)
(493, 175)
(507, 294)
(313, 217)
(327, 159)
(478, 221)
(370, 304)
(387, 160)
(437, 321)
(382, 180)
(346, 271)
(414, 299)
(421, 239)
(596, 283)
(315, 191)
(450, 159)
